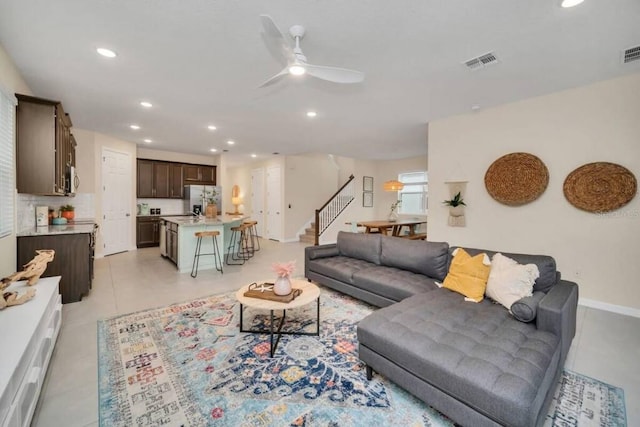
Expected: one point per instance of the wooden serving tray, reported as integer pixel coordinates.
(265, 291)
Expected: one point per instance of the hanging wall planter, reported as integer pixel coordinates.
(456, 204)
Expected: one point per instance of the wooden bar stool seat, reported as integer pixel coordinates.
(216, 253)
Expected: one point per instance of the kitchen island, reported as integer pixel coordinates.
(181, 239)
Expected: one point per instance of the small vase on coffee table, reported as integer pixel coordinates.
(282, 286)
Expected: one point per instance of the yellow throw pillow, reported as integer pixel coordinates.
(468, 275)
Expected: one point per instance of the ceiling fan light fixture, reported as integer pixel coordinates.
(570, 3)
(297, 70)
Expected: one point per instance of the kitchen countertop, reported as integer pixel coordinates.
(194, 221)
(56, 229)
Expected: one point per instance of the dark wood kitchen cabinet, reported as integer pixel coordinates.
(45, 147)
(73, 261)
(199, 174)
(176, 181)
(159, 180)
(147, 231)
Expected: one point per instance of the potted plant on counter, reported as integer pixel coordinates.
(68, 212)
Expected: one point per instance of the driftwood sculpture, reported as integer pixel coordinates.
(31, 273)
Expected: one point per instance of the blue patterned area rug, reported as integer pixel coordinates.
(188, 365)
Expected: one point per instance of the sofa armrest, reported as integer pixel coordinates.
(320, 251)
(557, 313)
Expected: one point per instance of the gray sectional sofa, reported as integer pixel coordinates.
(474, 362)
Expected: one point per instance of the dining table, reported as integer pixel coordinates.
(391, 228)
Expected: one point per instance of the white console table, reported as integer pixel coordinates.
(28, 333)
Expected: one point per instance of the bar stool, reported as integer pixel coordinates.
(253, 234)
(215, 253)
(238, 248)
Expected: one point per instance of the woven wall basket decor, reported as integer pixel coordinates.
(516, 179)
(600, 187)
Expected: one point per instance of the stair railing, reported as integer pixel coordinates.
(333, 208)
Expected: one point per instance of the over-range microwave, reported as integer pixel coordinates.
(71, 181)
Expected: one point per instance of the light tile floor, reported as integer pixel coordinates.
(606, 346)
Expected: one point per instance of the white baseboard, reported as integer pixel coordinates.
(620, 309)
(290, 240)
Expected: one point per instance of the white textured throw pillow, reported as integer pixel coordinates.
(510, 281)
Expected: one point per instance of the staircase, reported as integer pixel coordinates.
(309, 234)
(329, 212)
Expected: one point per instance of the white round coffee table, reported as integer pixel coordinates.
(310, 292)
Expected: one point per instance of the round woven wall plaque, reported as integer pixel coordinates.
(516, 179)
(600, 187)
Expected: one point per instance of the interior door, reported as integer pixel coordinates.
(274, 203)
(257, 199)
(116, 201)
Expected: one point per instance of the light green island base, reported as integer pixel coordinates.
(188, 226)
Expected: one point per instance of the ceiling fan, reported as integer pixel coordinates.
(297, 64)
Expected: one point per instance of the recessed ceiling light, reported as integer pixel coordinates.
(475, 107)
(213, 150)
(146, 104)
(254, 155)
(134, 127)
(311, 114)
(230, 142)
(148, 141)
(211, 127)
(570, 3)
(106, 52)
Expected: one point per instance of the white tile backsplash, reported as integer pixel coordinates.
(26, 206)
(167, 206)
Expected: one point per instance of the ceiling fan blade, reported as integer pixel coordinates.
(276, 40)
(275, 78)
(334, 74)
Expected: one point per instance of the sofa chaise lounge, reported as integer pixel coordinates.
(474, 362)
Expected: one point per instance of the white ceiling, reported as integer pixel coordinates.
(200, 62)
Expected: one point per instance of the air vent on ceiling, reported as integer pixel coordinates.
(481, 61)
(631, 54)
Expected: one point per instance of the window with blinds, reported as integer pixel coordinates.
(414, 194)
(7, 132)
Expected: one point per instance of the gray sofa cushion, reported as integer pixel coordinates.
(338, 267)
(419, 256)
(525, 309)
(392, 283)
(546, 265)
(475, 352)
(360, 246)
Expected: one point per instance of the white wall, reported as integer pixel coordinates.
(170, 156)
(11, 82)
(599, 122)
(309, 181)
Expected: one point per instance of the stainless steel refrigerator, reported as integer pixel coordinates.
(197, 197)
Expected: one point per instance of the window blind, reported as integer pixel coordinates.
(7, 176)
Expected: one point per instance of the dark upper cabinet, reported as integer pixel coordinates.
(145, 178)
(45, 147)
(191, 173)
(199, 174)
(156, 179)
(166, 180)
(161, 180)
(176, 184)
